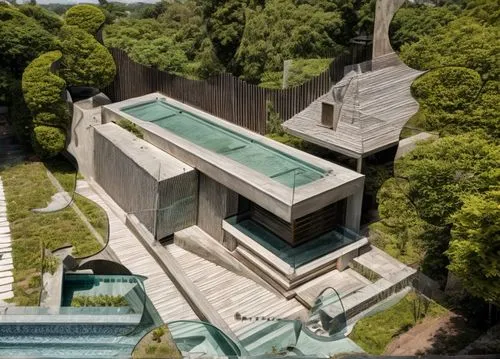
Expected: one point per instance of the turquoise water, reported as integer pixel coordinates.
(91, 332)
(277, 165)
(301, 254)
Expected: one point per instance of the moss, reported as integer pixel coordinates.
(99, 301)
(87, 17)
(130, 127)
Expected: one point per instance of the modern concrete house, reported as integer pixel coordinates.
(286, 214)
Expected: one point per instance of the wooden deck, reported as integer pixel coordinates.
(167, 300)
(376, 106)
(6, 265)
(229, 292)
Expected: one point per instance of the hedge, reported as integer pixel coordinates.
(48, 141)
(85, 61)
(42, 89)
(43, 92)
(87, 17)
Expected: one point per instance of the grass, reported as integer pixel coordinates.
(374, 333)
(157, 344)
(99, 301)
(27, 186)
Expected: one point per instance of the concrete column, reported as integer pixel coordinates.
(384, 11)
(353, 211)
(359, 164)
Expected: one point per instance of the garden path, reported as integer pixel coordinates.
(6, 278)
(168, 301)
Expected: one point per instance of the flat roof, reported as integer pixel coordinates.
(269, 161)
(240, 174)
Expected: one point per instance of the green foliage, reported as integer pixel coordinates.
(6, 84)
(85, 61)
(130, 127)
(463, 42)
(42, 89)
(48, 141)
(43, 92)
(162, 53)
(474, 246)
(101, 300)
(158, 333)
(373, 333)
(21, 40)
(447, 89)
(441, 172)
(413, 22)
(281, 31)
(87, 17)
(49, 20)
(27, 186)
(299, 72)
(454, 100)
(50, 264)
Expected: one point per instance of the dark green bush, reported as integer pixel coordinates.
(49, 20)
(42, 89)
(85, 61)
(87, 17)
(48, 141)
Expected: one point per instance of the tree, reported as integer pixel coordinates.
(47, 19)
(85, 61)
(161, 53)
(21, 40)
(86, 17)
(283, 30)
(463, 42)
(413, 22)
(475, 245)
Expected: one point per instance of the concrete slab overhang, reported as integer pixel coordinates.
(279, 199)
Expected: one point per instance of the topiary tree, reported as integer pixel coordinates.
(43, 93)
(87, 17)
(85, 61)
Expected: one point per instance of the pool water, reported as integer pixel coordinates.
(271, 162)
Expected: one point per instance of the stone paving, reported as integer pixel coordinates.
(6, 267)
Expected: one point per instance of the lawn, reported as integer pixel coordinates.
(374, 333)
(27, 186)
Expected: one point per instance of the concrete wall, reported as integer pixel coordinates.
(86, 115)
(216, 202)
(384, 12)
(141, 179)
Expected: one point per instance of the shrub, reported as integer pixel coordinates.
(85, 61)
(87, 17)
(158, 333)
(48, 141)
(42, 89)
(50, 21)
(100, 300)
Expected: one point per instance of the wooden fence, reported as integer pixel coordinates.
(225, 95)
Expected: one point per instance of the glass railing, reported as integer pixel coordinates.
(203, 340)
(299, 255)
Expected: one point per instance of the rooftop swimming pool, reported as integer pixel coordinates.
(269, 161)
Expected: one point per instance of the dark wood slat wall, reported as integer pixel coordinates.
(225, 95)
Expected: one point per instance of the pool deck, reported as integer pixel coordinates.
(277, 198)
(167, 300)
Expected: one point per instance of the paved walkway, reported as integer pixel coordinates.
(6, 267)
(167, 300)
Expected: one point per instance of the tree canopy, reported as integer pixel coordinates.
(474, 250)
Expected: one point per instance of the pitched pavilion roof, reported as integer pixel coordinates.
(374, 108)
